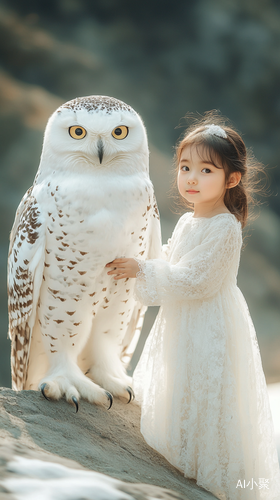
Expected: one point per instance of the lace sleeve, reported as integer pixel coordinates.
(198, 274)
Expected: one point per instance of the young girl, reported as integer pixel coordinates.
(200, 379)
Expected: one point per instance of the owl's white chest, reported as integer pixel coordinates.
(97, 213)
(87, 225)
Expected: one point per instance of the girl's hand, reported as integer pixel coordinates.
(123, 268)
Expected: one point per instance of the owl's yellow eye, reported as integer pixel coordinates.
(77, 132)
(120, 132)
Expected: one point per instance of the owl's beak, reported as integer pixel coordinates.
(100, 149)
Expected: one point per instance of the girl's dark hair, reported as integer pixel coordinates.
(231, 153)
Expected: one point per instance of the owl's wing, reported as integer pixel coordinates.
(25, 271)
(152, 242)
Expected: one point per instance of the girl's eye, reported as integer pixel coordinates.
(185, 168)
(208, 170)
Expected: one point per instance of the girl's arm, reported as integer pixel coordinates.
(199, 273)
(128, 268)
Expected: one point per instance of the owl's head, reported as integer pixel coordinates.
(96, 132)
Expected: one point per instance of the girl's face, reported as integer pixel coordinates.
(199, 181)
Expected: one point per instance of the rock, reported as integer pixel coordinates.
(108, 442)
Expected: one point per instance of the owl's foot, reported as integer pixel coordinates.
(119, 387)
(57, 387)
(74, 399)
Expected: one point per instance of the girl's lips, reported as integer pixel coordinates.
(192, 191)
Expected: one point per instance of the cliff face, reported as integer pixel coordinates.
(104, 441)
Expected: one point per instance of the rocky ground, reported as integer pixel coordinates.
(109, 442)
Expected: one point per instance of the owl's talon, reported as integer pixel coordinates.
(43, 391)
(110, 397)
(131, 394)
(76, 403)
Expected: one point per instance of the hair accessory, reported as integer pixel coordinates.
(215, 130)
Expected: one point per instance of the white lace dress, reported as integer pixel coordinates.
(200, 379)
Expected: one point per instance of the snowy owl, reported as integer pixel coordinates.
(73, 328)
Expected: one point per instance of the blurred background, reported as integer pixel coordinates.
(165, 59)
